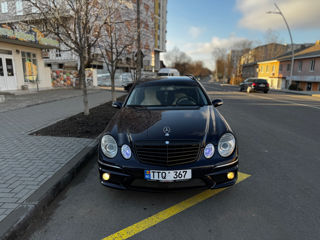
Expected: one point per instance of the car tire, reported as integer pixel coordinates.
(249, 90)
(265, 91)
(241, 89)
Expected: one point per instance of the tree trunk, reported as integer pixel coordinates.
(113, 95)
(82, 75)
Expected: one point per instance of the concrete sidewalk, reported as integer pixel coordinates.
(27, 162)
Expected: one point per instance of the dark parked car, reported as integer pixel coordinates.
(168, 135)
(254, 85)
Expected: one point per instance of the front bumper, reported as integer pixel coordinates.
(202, 177)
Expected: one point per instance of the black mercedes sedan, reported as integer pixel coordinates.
(168, 134)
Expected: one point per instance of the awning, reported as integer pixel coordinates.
(26, 44)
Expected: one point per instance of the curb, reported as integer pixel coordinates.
(17, 222)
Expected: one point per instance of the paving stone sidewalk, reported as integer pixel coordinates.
(26, 162)
(21, 99)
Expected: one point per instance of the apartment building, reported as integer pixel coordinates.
(275, 73)
(306, 68)
(249, 61)
(153, 15)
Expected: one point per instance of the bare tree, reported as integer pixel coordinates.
(242, 45)
(220, 56)
(117, 40)
(77, 24)
(175, 56)
(271, 36)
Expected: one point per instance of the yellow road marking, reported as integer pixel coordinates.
(169, 212)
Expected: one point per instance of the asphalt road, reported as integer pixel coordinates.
(279, 141)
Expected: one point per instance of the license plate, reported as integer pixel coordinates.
(165, 176)
(262, 85)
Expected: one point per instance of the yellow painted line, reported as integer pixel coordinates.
(169, 212)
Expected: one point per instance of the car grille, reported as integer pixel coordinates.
(159, 153)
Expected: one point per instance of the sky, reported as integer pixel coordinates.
(197, 27)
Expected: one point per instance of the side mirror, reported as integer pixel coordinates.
(117, 105)
(128, 87)
(217, 102)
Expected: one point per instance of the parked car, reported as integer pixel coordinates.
(254, 85)
(168, 134)
(168, 72)
(125, 79)
(103, 79)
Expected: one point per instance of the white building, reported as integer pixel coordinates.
(153, 34)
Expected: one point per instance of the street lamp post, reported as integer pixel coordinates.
(292, 50)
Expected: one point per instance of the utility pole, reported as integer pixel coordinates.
(138, 42)
(292, 50)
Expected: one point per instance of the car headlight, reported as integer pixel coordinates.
(126, 151)
(208, 150)
(109, 146)
(226, 145)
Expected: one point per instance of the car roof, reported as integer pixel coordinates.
(167, 80)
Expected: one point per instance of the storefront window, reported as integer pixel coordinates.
(309, 86)
(9, 64)
(1, 68)
(30, 66)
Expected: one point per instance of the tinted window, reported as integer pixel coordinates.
(167, 95)
(163, 74)
(261, 81)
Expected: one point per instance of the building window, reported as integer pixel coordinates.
(312, 64)
(30, 66)
(300, 66)
(288, 67)
(280, 68)
(9, 64)
(19, 8)
(4, 7)
(261, 68)
(309, 84)
(273, 68)
(1, 68)
(267, 68)
(58, 53)
(33, 8)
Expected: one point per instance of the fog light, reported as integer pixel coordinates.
(230, 175)
(106, 176)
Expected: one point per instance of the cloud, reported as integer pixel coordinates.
(208, 47)
(300, 14)
(195, 31)
(203, 50)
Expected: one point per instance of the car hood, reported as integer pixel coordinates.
(142, 124)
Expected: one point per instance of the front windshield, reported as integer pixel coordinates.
(167, 95)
